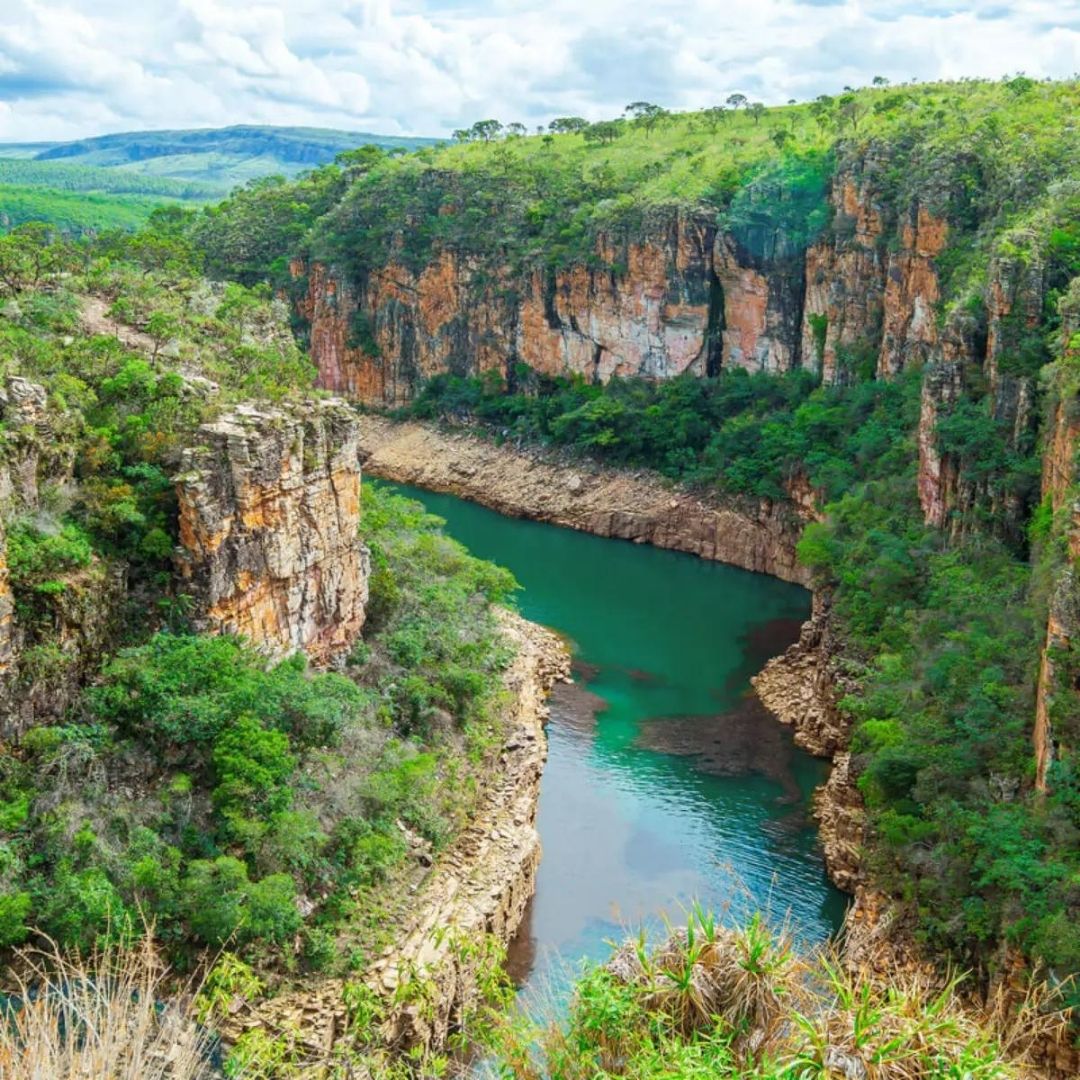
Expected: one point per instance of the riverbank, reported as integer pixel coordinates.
(641, 506)
(481, 885)
(802, 687)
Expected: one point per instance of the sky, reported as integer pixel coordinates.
(72, 68)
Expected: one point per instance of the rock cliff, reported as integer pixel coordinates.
(269, 510)
(681, 295)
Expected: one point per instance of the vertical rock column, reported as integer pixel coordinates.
(1059, 488)
(269, 513)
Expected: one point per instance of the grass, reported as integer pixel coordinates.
(100, 1015)
(720, 1002)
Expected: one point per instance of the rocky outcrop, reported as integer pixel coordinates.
(938, 475)
(639, 506)
(681, 295)
(648, 315)
(762, 275)
(803, 688)
(481, 886)
(912, 292)
(845, 277)
(269, 515)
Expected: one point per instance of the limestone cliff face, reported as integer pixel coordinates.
(912, 291)
(845, 276)
(269, 512)
(682, 295)
(762, 276)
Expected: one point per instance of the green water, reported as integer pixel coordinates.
(666, 781)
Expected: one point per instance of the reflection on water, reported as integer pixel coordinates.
(667, 781)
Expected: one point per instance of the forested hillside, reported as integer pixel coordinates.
(115, 181)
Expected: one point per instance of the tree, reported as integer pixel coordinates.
(161, 327)
(646, 115)
(486, 130)
(29, 255)
(880, 80)
(568, 125)
(516, 131)
(850, 111)
(756, 110)
(781, 137)
(604, 131)
(714, 116)
(737, 101)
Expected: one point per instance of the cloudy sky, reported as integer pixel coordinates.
(70, 68)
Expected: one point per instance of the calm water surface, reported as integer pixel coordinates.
(667, 783)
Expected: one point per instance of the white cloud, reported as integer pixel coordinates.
(77, 67)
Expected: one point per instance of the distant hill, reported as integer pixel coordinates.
(212, 158)
(116, 180)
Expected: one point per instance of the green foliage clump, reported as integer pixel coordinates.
(745, 433)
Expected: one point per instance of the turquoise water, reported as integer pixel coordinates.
(666, 783)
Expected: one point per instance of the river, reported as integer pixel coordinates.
(667, 782)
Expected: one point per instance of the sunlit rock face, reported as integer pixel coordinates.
(681, 293)
(269, 512)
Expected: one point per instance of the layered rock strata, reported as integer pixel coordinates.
(269, 516)
(641, 506)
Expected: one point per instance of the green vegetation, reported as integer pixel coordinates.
(737, 432)
(261, 785)
(77, 213)
(116, 181)
(713, 1002)
(257, 787)
(947, 670)
(62, 176)
(974, 152)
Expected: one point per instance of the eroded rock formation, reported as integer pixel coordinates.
(269, 512)
(681, 295)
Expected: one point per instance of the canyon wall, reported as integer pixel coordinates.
(682, 295)
(269, 505)
(755, 534)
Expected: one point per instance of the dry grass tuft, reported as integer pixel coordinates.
(100, 1016)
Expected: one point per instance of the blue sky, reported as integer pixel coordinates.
(70, 68)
